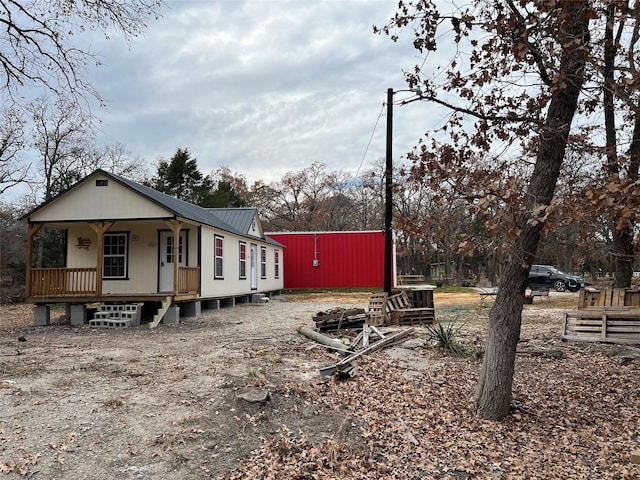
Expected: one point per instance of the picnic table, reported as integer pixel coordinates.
(487, 294)
(529, 294)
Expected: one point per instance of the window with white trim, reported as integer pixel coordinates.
(276, 263)
(171, 249)
(263, 262)
(219, 256)
(243, 260)
(115, 255)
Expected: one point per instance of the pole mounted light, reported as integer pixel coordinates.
(388, 197)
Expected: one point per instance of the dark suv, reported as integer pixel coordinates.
(546, 276)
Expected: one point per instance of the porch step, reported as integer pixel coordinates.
(116, 316)
(259, 298)
(157, 318)
(113, 323)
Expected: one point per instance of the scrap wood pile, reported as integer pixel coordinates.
(340, 318)
(401, 308)
(370, 340)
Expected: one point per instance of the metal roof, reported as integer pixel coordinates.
(239, 218)
(233, 220)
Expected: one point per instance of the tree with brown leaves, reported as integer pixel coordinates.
(511, 85)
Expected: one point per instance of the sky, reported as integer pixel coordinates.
(263, 87)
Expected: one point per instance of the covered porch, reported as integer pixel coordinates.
(88, 277)
(48, 285)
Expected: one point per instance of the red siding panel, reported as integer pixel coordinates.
(344, 259)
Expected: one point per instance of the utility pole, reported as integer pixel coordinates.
(388, 198)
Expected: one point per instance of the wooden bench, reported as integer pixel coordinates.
(410, 279)
(402, 311)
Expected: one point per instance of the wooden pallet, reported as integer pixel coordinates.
(608, 324)
(402, 312)
(609, 297)
(421, 297)
(378, 311)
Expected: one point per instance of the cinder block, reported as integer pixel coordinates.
(110, 323)
(41, 316)
(212, 304)
(192, 309)
(172, 316)
(243, 299)
(79, 315)
(228, 302)
(635, 456)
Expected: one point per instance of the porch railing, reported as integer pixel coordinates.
(62, 281)
(45, 282)
(188, 280)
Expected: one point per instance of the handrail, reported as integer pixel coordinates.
(188, 280)
(47, 282)
(62, 281)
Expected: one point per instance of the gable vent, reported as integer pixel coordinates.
(102, 183)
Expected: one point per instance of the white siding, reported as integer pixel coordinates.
(90, 202)
(114, 202)
(232, 284)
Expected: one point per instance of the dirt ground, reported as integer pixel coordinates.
(176, 401)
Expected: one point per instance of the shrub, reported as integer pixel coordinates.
(444, 336)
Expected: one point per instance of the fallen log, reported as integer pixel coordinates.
(324, 340)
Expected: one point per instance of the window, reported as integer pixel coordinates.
(114, 263)
(243, 260)
(102, 183)
(263, 262)
(219, 251)
(276, 263)
(170, 250)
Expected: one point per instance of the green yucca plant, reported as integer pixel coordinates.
(444, 335)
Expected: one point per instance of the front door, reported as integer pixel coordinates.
(167, 257)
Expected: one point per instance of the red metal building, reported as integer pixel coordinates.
(333, 259)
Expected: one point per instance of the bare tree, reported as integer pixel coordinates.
(37, 40)
(114, 158)
(62, 135)
(13, 168)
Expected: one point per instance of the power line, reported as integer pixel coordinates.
(370, 140)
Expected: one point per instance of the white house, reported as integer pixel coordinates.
(128, 243)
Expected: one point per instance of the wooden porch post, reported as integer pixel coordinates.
(32, 229)
(100, 229)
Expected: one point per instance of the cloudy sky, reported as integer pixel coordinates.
(261, 86)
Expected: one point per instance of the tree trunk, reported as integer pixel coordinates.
(623, 255)
(494, 391)
(623, 249)
(623, 233)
